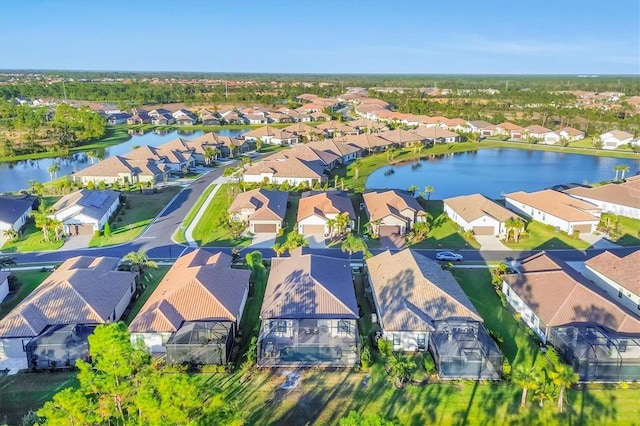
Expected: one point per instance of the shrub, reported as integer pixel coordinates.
(506, 368)
(428, 363)
(96, 233)
(385, 348)
(107, 229)
(365, 357)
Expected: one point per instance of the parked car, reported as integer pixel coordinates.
(449, 256)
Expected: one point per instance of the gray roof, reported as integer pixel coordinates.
(11, 209)
(93, 204)
(309, 286)
(413, 291)
(83, 290)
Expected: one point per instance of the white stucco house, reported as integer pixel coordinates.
(615, 139)
(316, 209)
(14, 212)
(620, 198)
(617, 276)
(85, 211)
(478, 214)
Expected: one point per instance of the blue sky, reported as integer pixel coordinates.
(417, 37)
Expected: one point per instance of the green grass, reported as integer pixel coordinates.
(444, 233)
(32, 239)
(208, 232)
(545, 237)
(179, 236)
(630, 232)
(151, 279)
(290, 217)
(21, 393)
(27, 282)
(129, 223)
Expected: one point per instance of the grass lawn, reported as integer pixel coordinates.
(290, 217)
(27, 282)
(630, 232)
(209, 232)
(179, 236)
(151, 279)
(21, 393)
(445, 232)
(31, 240)
(545, 237)
(130, 222)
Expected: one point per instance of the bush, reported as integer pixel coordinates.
(506, 368)
(428, 363)
(385, 348)
(96, 233)
(107, 229)
(365, 357)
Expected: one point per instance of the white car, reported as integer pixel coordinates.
(450, 256)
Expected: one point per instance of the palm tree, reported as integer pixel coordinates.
(516, 225)
(11, 234)
(563, 376)
(526, 378)
(543, 393)
(342, 222)
(258, 145)
(616, 169)
(42, 220)
(331, 224)
(6, 262)
(354, 244)
(623, 168)
(420, 230)
(208, 153)
(356, 168)
(53, 170)
(401, 368)
(139, 261)
(279, 249)
(428, 190)
(412, 189)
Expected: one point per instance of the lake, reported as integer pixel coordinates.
(496, 171)
(15, 175)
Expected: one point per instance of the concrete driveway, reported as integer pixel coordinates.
(490, 242)
(76, 242)
(598, 241)
(316, 241)
(263, 240)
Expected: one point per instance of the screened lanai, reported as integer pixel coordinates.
(597, 354)
(464, 350)
(59, 346)
(201, 342)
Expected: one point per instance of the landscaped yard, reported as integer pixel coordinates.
(139, 212)
(27, 281)
(32, 239)
(444, 232)
(630, 232)
(179, 236)
(151, 279)
(209, 232)
(290, 217)
(545, 237)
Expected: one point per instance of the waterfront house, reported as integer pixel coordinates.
(615, 139)
(620, 198)
(392, 212)
(478, 214)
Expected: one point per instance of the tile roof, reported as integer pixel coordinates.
(199, 286)
(412, 291)
(268, 205)
(537, 129)
(560, 296)
(618, 134)
(400, 136)
(434, 132)
(309, 286)
(324, 203)
(621, 193)
(383, 203)
(83, 290)
(474, 206)
(623, 271)
(285, 166)
(557, 204)
(480, 124)
(367, 140)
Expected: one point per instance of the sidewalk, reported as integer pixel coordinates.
(188, 234)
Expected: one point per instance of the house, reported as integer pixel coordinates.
(286, 168)
(139, 117)
(278, 117)
(401, 137)
(14, 212)
(615, 139)
(123, 170)
(185, 117)
(478, 214)
(271, 136)
(82, 292)
(480, 127)
(617, 276)
(512, 130)
(571, 134)
(315, 152)
(309, 313)
(319, 116)
(367, 126)
(158, 112)
(303, 131)
(230, 147)
(118, 118)
(232, 118)
(421, 307)
(85, 212)
(392, 212)
(4, 284)
(336, 128)
(345, 151)
(317, 212)
(536, 132)
(620, 198)
(255, 119)
(194, 313)
(208, 118)
(261, 209)
(552, 138)
(557, 209)
(369, 142)
(589, 328)
(162, 119)
(436, 134)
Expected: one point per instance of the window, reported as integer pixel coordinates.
(343, 327)
(620, 293)
(622, 346)
(422, 339)
(279, 326)
(396, 339)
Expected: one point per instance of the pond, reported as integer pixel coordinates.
(15, 175)
(496, 171)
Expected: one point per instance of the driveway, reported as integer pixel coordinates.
(77, 242)
(490, 242)
(598, 241)
(263, 240)
(393, 242)
(316, 241)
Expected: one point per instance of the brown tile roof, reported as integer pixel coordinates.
(301, 129)
(452, 122)
(510, 126)
(412, 291)
(480, 124)
(381, 204)
(268, 205)
(557, 204)
(623, 270)
(309, 286)
(83, 290)
(287, 167)
(571, 131)
(311, 152)
(537, 129)
(325, 203)
(199, 286)
(622, 193)
(366, 140)
(365, 123)
(433, 133)
(619, 134)
(334, 147)
(400, 136)
(474, 206)
(560, 296)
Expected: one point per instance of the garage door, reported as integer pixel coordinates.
(81, 230)
(586, 228)
(388, 230)
(483, 230)
(264, 228)
(313, 229)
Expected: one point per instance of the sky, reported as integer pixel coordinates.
(328, 36)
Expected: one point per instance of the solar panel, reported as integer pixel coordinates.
(94, 199)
